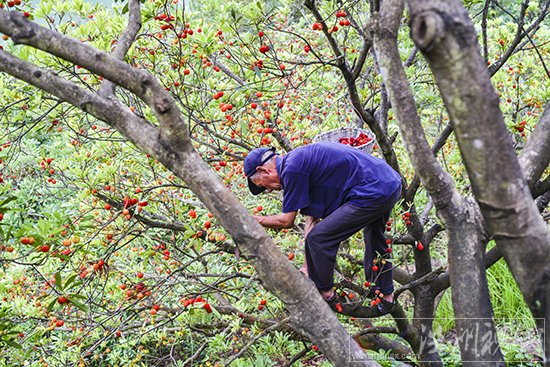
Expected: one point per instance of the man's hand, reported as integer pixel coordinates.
(259, 218)
(277, 221)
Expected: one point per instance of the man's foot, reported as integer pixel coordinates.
(303, 270)
(385, 307)
(328, 295)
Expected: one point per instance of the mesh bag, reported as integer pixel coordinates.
(347, 132)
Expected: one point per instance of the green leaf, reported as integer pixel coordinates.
(58, 283)
(69, 280)
(244, 128)
(79, 296)
(81, 306)
(52, 303)
(7, 200)
(13, 344)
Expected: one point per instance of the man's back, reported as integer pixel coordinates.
(319, 178)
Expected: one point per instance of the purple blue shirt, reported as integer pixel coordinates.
(318, 178)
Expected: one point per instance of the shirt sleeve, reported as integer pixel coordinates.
(296, 192)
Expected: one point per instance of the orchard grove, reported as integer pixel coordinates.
(108, 259)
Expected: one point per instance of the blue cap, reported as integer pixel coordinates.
(252, 161)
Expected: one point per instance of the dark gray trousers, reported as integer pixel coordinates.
(324, 239)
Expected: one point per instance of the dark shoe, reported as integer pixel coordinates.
(385, 307)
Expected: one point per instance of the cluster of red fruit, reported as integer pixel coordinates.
(139, 291)
(317, 26)
(377, 298)
(340, 14)
(11, 3)
(194, 301)
(358, 141)
(520, 128)
(218, 95)
(257, 64)
(406, 218)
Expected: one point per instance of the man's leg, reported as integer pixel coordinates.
(324, 239)
(375, 244)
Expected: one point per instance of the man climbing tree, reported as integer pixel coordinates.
(347, 188)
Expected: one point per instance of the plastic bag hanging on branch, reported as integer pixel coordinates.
(357, 138)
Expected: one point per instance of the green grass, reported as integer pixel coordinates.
(513, 319)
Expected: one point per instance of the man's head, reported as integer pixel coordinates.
(260, 170)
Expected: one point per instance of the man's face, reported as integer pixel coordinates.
(267, 177)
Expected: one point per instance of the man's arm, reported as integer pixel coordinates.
(277, 221)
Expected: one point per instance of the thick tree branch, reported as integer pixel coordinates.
(139, 82)
(435, 179)
(138, 130)
(125, 42)
(535, 156)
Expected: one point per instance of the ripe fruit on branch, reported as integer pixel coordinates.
(340, 14)
(264, 48)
